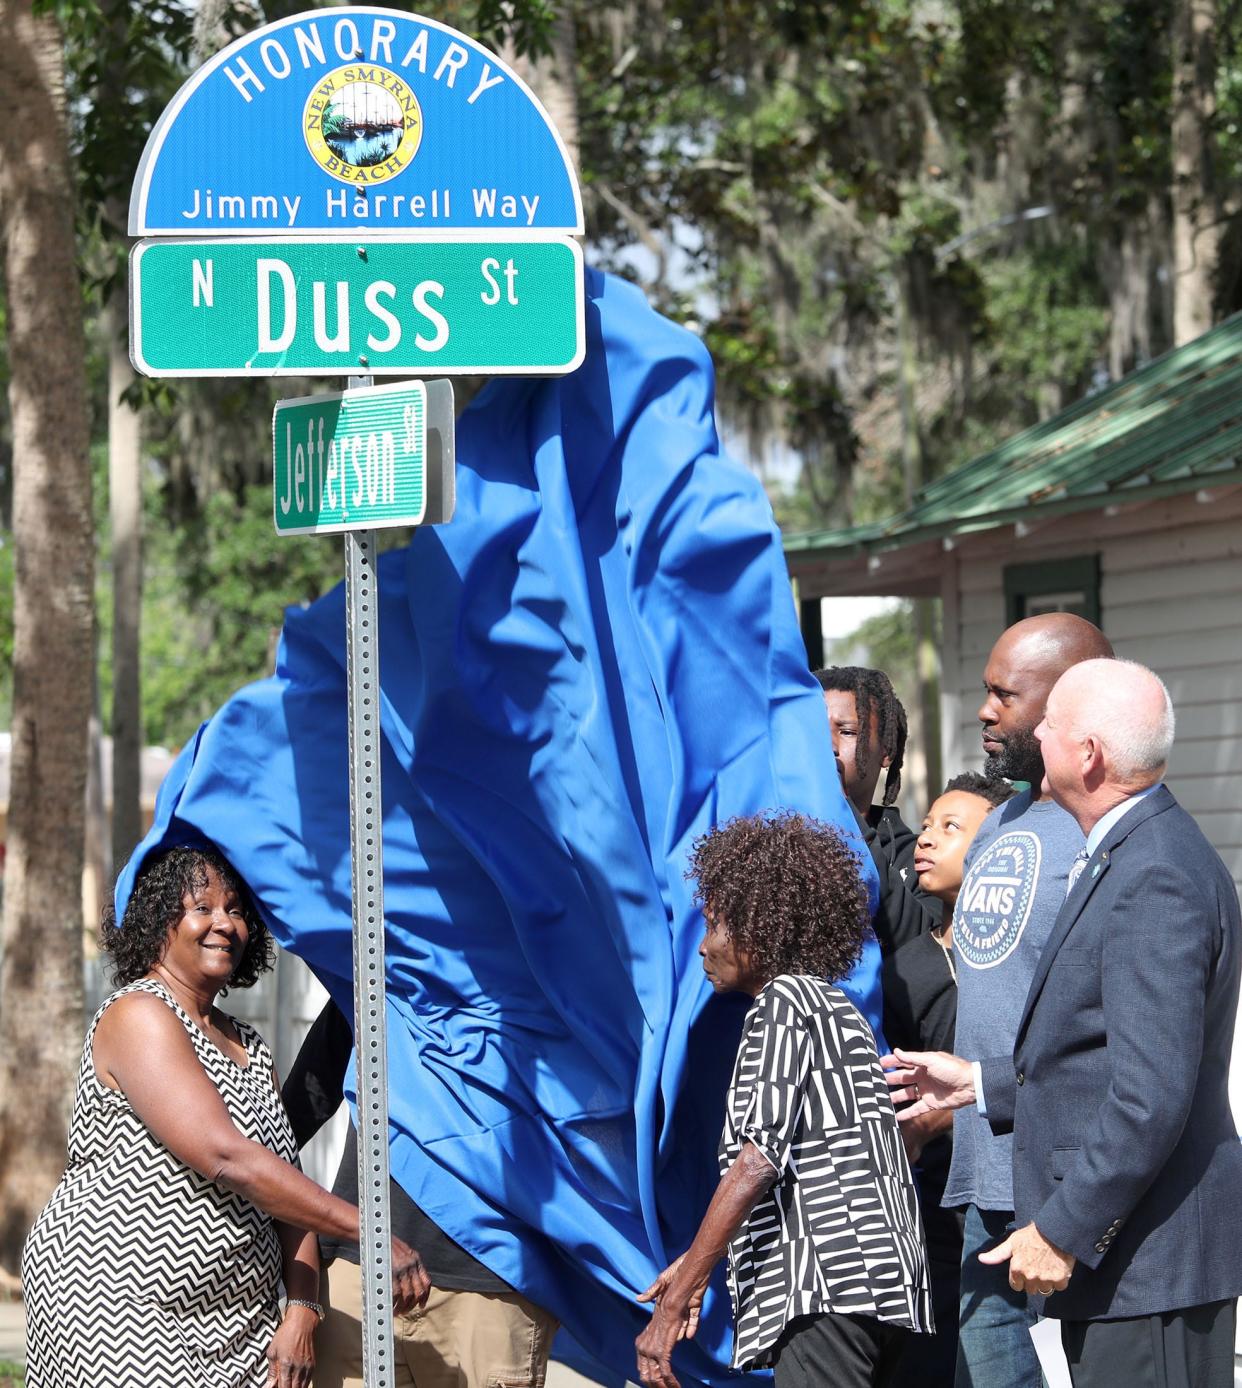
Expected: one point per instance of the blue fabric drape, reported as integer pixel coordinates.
(594, 662)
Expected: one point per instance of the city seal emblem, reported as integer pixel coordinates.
(362, 124)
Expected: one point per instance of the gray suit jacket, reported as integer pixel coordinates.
(1125, 1151)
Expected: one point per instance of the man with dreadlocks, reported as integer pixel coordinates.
(868, 726)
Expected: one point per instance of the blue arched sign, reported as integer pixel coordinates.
(352, 121)
(351, 191)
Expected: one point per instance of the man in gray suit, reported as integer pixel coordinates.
(1127, 1164)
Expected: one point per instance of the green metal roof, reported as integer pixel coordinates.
(1172, 426)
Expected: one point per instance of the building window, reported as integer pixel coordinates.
(1056, 585)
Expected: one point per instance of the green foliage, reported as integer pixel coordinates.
(214, 603)
(125, 61)
(1047, 318)
(884, 642)
(815, 168)
(214, 599)
(774, 154)
(333, 122)
(527, 24)
(792, 180)
(6, 430)
(524, 24)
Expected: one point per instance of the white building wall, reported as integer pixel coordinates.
(979, 621)
(1174, 602)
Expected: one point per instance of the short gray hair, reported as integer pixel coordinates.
(1127, 708)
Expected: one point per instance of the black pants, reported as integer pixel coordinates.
(1192, 1348)
(844, 1351)
(930, 1361)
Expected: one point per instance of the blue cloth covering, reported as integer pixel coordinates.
(594, 662)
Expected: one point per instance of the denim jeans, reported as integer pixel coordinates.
(994, 1348)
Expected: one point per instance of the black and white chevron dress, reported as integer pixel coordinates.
(839, 1230)
(140, 1273)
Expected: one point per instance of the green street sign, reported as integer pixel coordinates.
(359, 459)
(308, 306)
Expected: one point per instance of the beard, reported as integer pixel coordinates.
(1019, 759)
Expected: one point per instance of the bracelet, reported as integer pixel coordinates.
(310, 1305)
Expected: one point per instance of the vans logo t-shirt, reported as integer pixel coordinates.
(1012, 891)
(996, 898)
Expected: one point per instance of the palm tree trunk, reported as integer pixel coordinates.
(1198, 223)
(53, 599)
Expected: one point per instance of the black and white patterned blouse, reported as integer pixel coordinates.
(839, 1229)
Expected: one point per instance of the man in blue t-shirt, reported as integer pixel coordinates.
(1012, 889)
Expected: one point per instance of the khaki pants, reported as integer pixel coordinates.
(458, 1340)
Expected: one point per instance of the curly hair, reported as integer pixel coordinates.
(989, 788)
(157, 903)
(787, 889)
(873, 695)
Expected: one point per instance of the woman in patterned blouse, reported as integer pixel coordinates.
(816, 1206)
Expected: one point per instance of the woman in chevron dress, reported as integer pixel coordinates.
(157, 1262)
(816, 1206)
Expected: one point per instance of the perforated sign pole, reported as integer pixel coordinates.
(370, 1029)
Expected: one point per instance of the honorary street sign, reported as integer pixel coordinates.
(321, 306)
(354, 459)
(355, 121)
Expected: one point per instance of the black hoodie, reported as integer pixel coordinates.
(903, 911)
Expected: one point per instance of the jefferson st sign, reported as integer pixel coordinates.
(324, 306)
(351, 460)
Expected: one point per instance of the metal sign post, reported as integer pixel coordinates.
(370, 1026)
(431, 458)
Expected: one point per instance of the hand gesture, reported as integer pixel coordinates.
(676, 1317)
(928, 1081)
(693, 1307)
(1035, 1265)
(410, 1283)
(291, 1354)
